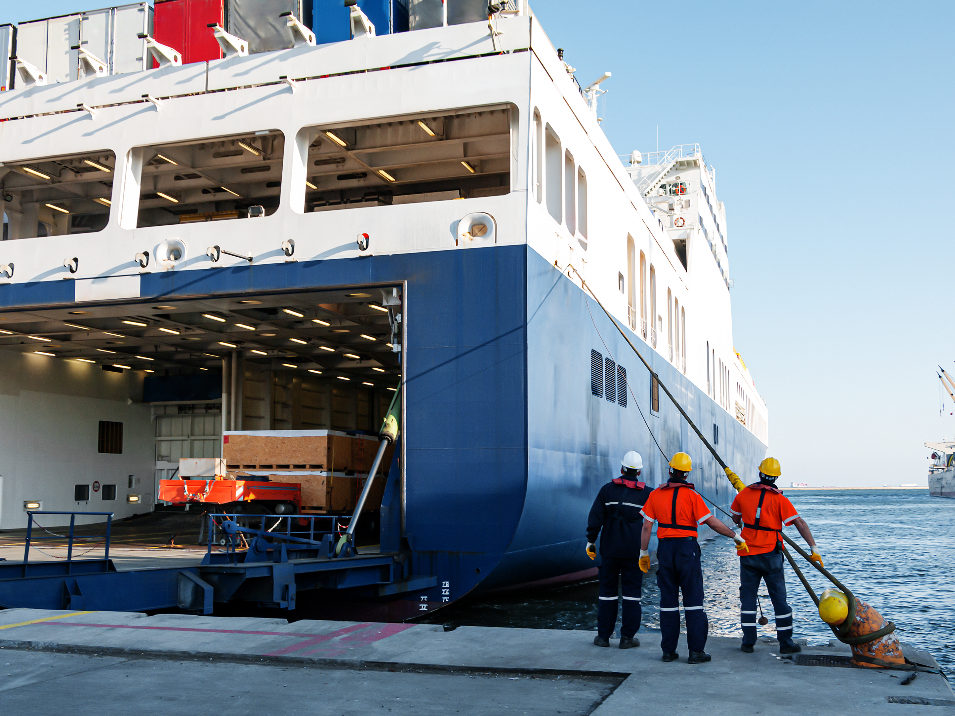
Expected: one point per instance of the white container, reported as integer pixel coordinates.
(8, 43)
(129, 52)
(207, 467)
(261, 23)
(47, 44)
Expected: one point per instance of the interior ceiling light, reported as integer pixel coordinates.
(357, 295)
(124, 367)
(326, 348)
(97, 166)
(165, 308)
(213, 318)
(378, 370)
(341, 377)
(199, 369)
(378, 308)
(43, 353)
(334, 137)
(103, 350)
(249, 148)
(293, 313)
(389, 345)
(310, 185)
(79, 313)
(426, 128)
(169, 330)
(104, 202)
(74, 325)
(392, 389)
(250, 301)
(299, 341)
(245, 326)
(289, 365)
(40, 338)
(468, 167)
(35, 173)
(233, 194)
(227, 345)
(167, 197)
(387, 176)
(371, 384)
(8, 333)
(352, 355)
(316, 372)
(267, 335)
(114, 335)
(368, 338)
(150, 370)
(135, 323)
(58, 208)
(145, 357)
(320, 322)
(166, 159)
(259, 353)
(84, 360)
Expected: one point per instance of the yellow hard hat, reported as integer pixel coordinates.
(682, 462)
(770, 466)
(833, 606)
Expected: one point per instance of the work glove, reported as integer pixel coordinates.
(591, 550)
(740, 543)
(644, 561)
(734, 480)
(815, 556)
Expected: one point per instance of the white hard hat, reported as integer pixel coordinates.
(632, 461)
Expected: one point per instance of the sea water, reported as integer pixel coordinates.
(895, 549)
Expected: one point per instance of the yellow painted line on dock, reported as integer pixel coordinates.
(44, 619)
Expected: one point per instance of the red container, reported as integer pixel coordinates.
(183, 25)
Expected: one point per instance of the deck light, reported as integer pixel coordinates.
(74, 325)
(378, 370)
(299, 341)
(135, 323)
(225, 188)
(39, 338)
(368, 338)
(103, 350)
(352, 356)
(214, 318)
(341, 377)
(84, 360)
(104, 202)
(335, 138)
(124, 367)
(392, 389)
(316, 372)
(35, 173)
(310, 185)
(320, 322)
(259, 353)
(167, 197)
(32, 505)
(43, 353)
(6, 333)
(366, 383)
(326, 348)
(114, 335)
(58, 208)
(289, 365)
(426, 128)
(250, 302)
(148, 370)
(290, 312)
(97, 166)
(468, 167)
(145, 358)
(132, 499)
(245, 326)
(249, 148)
(166, 159)
(378, 308)
(169, 330)
(227, 345)
(387, 176)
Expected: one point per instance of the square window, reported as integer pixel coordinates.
(109, 492)
(110, 437)
(81, 493)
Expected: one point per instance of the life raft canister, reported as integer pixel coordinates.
(871, 637)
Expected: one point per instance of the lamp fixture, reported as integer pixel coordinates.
(426, 128)
(167, 159)
(378, 370)
(387, 176)
(135, 323)
(326, 348)
(249, 148)
(148, 370)
(103, 350)
(35, 173)
(310, 185)
(289, 365)
(132, 499)
(40, 338)
(32, 505)
(84, 360)
(378, 308)
(468, 167)
(8, 333)
(227, 345)
(245, 326)
(97, 166)
(293, 313)
(169, 330)
(258, 352)
(212, 317)
(320, 322)
(58, 208)
(104, 202)
(368, 338)
(341, 377)
(114, 335)
(224, 188)
(366, 383)
(352, 356)
(335, 138)
(75, 325)
(167, 197)
(145, 358)
(299, 341)
(43, 353)
(124, 367)
(316, 372)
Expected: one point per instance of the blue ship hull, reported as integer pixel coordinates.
(505, 443)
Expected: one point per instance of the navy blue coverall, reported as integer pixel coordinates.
(616, 516)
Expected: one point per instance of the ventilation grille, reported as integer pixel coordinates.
(622, 386)
(611, 379)
(596, 373)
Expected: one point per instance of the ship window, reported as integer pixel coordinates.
(213, 179)
(552, 179)
(683, 336)
(570, 193)
(458, 154)
(610, 376)
(57, 196)
(81, 493)
(643, 295)
(653, 306)
(109, 492)
(538, 163)
(110, 437)
(596, 373)
(676, 328)
(620, 283)
(670, 323)
(631, 308)
(582, 203)
(622, 386)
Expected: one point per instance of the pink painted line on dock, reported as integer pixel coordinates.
(318, 640)
(368, 636)
(204, 631)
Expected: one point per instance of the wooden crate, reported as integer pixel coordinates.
(322, 450)
(332, 492)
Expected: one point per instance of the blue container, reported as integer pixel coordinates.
(330, 18)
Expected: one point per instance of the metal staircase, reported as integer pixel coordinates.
(665, 161)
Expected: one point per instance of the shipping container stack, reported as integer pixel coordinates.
(332, 23)
(184, 26)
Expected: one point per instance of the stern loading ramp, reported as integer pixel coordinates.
(313, 360)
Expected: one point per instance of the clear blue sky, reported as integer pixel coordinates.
(829, 124)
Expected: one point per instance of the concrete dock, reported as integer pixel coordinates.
(171, 664)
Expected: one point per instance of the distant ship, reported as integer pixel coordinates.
(941, 473)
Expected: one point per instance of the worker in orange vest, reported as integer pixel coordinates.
(679, 511)
(763, 511)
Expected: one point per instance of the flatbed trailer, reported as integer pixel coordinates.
(279, 497)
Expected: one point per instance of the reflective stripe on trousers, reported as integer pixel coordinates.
(679, 571)
(619, 575)
(768, 568)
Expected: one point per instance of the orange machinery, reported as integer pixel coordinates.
(205, 480)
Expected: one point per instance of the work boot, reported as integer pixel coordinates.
(600, 641)
(629, 642)
(670, 656)
(698, 657)
(789, 647)
(746, 648)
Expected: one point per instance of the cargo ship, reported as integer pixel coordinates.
(218, 221)
(941, 473)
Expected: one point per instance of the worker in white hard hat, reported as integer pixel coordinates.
(616, 516)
